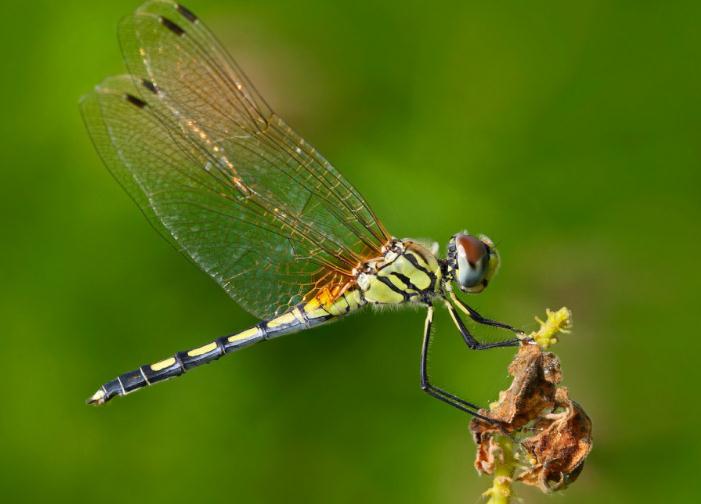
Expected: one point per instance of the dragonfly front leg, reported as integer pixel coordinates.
(472, 313)
(434, 391)
(470, 340)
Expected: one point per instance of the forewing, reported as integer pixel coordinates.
(199, 84)
(218, 173)
(254, 254)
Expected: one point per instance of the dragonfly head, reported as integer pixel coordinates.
(472, 261)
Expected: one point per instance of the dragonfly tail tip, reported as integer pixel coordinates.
(98, 398)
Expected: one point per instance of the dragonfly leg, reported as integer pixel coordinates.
(437, 392)
(474, 315)
(470, 340)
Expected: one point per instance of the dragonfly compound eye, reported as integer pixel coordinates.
(476, 261)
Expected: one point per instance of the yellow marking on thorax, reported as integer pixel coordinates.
(202, 350)
(403, 265)
(378, 292)
(163, 364)
(428, 260)
(345, 303)
(354, 299)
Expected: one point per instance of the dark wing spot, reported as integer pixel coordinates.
(174, 27)
(149, 85)
(186, 13)
(138, 102)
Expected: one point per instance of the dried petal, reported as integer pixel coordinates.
(559, 447)
(551, 434)
(536, 375)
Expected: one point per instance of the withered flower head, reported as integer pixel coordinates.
(547, 435)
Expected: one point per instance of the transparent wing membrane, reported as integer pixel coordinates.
(218, 173)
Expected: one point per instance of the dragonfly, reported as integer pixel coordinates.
(231, 186)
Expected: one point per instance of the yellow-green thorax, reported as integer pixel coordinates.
(407, 272)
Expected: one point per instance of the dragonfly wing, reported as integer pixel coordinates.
(218, 173)
(244, 248)
(199, 82)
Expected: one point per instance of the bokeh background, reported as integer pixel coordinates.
(568, 132)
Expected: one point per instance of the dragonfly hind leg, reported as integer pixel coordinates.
(437, 392)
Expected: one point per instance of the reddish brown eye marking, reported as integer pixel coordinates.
(474, 249)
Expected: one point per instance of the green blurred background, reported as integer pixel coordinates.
(568, 132)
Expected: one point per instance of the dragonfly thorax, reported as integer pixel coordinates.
(406, 272)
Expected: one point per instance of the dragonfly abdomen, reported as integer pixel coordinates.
(177, 364)
(300, 317)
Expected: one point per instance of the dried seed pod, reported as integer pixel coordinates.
(559, 447)
(548, 435)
